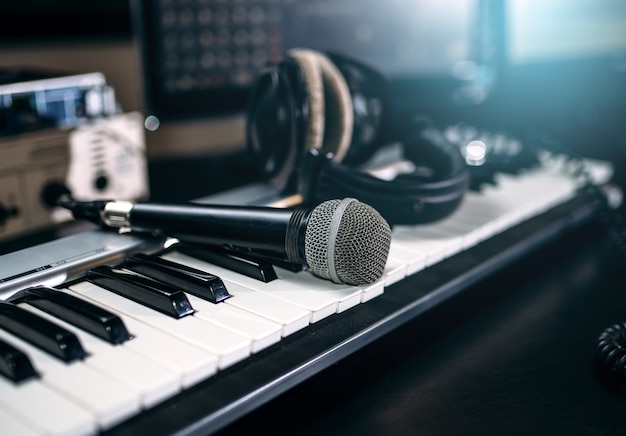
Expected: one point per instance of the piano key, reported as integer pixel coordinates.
(496, 209)
(470, 233)
(305, 289)
(514, 198)
(598, 170)
(308, 288)
(480, 216)
(414, 260)
(395, 270)
(105, 398)
(229, 347)
(432, 250)
(475, 228)
(81, 313)
(435, 245)
(321, 297)
(152, 382)
(372, 290)
(42, 333)
(190, 362)
(10, 425)
(254, 268)
(44, 410)
(292, 317)
(14, 364)
(192, 281)
(165, 299)
(274, 261)
(260, 331)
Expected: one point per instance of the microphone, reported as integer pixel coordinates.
(343, 240)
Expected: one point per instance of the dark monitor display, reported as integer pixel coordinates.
(199, 57)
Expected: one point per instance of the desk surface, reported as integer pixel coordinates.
(511, 355)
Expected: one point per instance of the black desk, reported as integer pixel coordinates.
(511, 355)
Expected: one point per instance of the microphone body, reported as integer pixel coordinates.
(345, 241)
(275, 230)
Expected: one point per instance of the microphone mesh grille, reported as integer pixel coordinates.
(360, 236)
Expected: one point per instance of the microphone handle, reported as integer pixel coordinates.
(276, 230)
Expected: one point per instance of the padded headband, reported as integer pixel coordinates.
(331, 115)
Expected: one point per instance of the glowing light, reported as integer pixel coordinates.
(151, 123)
(475, 152)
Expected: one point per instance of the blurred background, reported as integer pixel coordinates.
(555, 66)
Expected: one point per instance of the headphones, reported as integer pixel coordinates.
(315, 120)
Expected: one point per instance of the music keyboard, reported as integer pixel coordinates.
(198, 373)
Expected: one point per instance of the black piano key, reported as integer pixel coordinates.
(199, 283)
(40, 332)
(14, 364)
(83, 314)
(273, 260)
(143, 290)
(255, 268)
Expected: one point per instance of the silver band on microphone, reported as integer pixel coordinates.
(116, 213)
(334, 231)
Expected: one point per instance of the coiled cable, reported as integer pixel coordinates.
(610, 358)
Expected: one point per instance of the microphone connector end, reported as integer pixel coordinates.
(85, 210)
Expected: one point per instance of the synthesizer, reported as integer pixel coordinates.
(90, 345)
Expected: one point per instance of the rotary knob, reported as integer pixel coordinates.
(52, 193)
(7, 212)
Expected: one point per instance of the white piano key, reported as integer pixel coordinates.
(108, 400)
(475, 225)
(492, 213)
(414, 260)
(10, 425)
(395, 270)
(600, 172)
(319, 306)
(321, 297)
(260, 331)
(190, 362)
(470, 233)
(373, 290)
(532, 192)
(434, 249)
(305, 288)
(556, 185)
(44, 410)
(481, 215)
(429, 239)
(229, 347)
(151, 381)
(506, 206)
(292, 317)
(425, 245)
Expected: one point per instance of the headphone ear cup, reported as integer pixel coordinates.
(372, 108)
(330, 111)
(270, 132)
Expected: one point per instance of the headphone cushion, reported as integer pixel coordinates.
(331, 115)
(409, 198)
